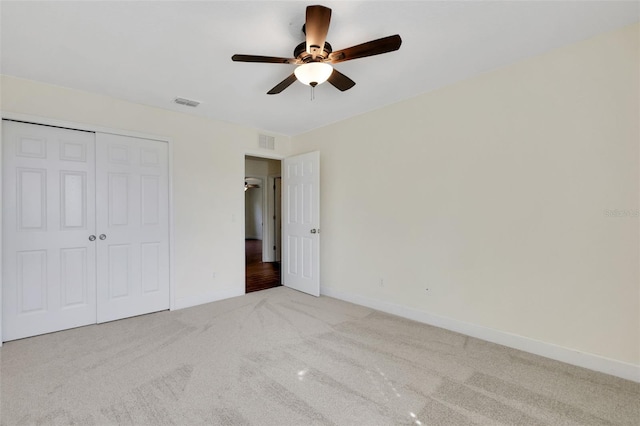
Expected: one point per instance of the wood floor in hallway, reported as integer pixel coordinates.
(259, 275)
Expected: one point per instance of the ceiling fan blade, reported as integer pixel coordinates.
(282, 85)
(340, 81)
(264, 59)
(370, 48)
(316, 28)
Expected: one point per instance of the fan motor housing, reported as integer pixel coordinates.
(300, 52)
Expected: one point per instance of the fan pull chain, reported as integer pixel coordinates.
(313, 93)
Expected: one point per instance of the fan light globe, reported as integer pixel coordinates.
(313, 73)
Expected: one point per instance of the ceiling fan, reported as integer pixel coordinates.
(315, 56)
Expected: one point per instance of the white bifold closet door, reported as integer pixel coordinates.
(48, 206)
(85, 228)
(132, 201)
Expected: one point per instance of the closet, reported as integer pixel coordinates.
(85, 228)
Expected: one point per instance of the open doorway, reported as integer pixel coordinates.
(262, 223)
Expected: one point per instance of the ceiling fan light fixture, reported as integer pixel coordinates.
(313, 73)
(315, 55)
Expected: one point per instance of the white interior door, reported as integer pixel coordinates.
(132, 184)
(48, 212)
(301, 223)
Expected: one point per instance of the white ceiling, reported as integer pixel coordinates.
(150, 52)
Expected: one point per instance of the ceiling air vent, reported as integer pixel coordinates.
(266, 142)
(187, 102)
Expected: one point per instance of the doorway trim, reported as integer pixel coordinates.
(27, 118)
(267, 156)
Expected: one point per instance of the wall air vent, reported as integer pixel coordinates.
(266, 142)
(187, 102)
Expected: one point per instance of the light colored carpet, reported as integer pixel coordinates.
(279, 357)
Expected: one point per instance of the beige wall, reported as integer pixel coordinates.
(256, 167)
(486, 201)
(253, 209)
(262, 167)
(491, 193)
(208, 175)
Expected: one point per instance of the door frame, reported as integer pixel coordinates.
(277, 215)
(99, 129)
(267, 156)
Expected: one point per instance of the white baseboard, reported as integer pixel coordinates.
(548, 350)
(199, 299)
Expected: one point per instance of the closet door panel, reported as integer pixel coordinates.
(132, 214)
(49, 275)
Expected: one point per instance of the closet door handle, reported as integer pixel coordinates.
(92, 237)
(102, 237)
